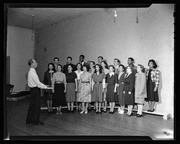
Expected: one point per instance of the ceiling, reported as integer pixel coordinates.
(22, 17)
(44, 16)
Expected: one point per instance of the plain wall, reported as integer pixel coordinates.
(96, 34)
(20, 48)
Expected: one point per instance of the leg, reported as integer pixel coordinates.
(96, 106)
(138, 112)
(99, 106)
(48, 106)
(113, 104)
(149, 104)
(152, 105)
(105, 104)
(83, 109)
(60, 107)
(130, 109)
(140, 109)
(68, 106)
(72, 106)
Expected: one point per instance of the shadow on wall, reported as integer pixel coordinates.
(26, 86)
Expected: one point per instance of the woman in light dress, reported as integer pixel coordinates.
(85, 89)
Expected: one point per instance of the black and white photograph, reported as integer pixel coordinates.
(97, 72)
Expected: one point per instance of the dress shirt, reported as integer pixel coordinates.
(33, 80)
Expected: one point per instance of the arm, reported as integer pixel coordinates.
(116, 83)
(157, 80)
(76, 84)
(64, 80)
(53, 81)
(132, 81)
(143, 83)
(36, 80)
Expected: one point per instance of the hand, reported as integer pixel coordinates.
(155, 89)
(53, 90)
(76, 89)
(123, 92)
(65, 91)
(115, 91)
(129, 92)
(49, 87)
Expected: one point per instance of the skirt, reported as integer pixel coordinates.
(70, 92)
(59, 96)
(110, 95)
(85, 93)
(97, 93)
(151, 95)
(48, 94)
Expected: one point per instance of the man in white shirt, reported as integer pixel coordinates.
(35, 85)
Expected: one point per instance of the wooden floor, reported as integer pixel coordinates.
(91, 124)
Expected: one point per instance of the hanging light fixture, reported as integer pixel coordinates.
(32, 26)
(137, 20)
(115, 15)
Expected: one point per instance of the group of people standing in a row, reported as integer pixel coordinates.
(88, 83)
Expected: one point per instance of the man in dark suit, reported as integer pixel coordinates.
(69, 62)
(81, 61)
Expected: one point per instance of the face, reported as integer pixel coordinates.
(91, 64)
(50, 67)
(56, 61)
(115, 62)
(139, 69)
(151, 64)
(99, 60)
(81, 59)
(69, 60)
(120, 69)
(69, 68)
(34, 64)
(111, 69)
(128, 70)
(97, 68)
(129, 62)
(102, 64)
(78, 66)
(84, 69)
(59, 68)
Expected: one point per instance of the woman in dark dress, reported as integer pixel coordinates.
(129, 82)
(48, 81)
(111, 80)
(120, 88)
(71, 79)
(59, 89)
(152, 76)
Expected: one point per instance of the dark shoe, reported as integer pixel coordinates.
(131, 115)
(149, 110)
(139, 115)
(97, 112)
(40, 123)
(152, 110)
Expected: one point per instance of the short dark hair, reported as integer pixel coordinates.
(131, 59)
(117, 60)
(112, 67)
(60, 66)
(142, 68)
(106, 65)
(154, 63)
(124, 68)
(87, 67)
(93, 62)
(56, 58)
(30, 61)
(100, 68)
(100, 57)
(52, 65)
(69, 57)
(82, 56)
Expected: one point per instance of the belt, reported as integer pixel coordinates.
(58, 82)
(98, 82)
(85, 81)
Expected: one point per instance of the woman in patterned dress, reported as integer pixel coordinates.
(152, 77)
(98, 77)
(91, 71)
(85, 89)
(78, 73)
